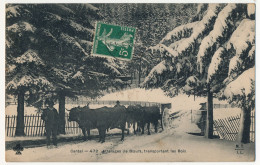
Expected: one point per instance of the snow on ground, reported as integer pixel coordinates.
(165, 146)
(92, 132)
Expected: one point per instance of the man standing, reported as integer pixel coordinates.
(117, 104)
(51, 118)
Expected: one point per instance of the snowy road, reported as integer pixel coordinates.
(174, 144)
(163, 146)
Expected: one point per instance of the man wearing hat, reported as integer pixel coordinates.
(51, 118)
(117, 104)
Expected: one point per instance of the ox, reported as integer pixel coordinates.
(135, 115)
(143, 115)
(151, 115)
(100, 118)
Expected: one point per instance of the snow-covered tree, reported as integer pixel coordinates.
(25, 75)
(221, 39)
(58, 39)
(152, 21)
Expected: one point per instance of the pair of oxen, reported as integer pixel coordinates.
(114, 117)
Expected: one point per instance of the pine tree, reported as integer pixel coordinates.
(222, 43)
(59, 38)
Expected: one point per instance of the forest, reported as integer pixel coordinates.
(198, 49)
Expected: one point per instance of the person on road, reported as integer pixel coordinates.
(51, 118)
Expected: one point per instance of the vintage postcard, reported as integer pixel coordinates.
(130, 82)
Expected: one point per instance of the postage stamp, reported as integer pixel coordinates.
(114, 41)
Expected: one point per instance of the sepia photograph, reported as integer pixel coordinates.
(130, 82)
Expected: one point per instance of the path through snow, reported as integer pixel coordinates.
(156, 147)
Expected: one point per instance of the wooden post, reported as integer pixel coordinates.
(61, 124)
(20, 114)
(13, 128)
(140, 70)
(209, 123)
(32, 125)
(8, 125)
(244, 127)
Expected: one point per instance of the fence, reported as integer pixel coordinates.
(228, 128)
(34, 125)
(252, 127)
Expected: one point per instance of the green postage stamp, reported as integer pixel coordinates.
(114, 41)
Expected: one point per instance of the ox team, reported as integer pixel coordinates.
(113, 117)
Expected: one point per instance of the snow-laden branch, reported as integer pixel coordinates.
(221, 29)
(63, 9)
(176, 44)
(61, 74)
(27, 81)
(216, 65)
(79, 76)
(47, 33)
(87, 45)
(72, 43)
(97, 74)
(10, 68)
(235, 65)
(79, 28)
(91, 7)
(187, 45)
(178, 33)
(171, 51)
(157, 70)
(239, 64)
(251, 54)
(113, 62)
(13, 11)
(52, 18)
(30, 56)
(9, 42)
(112, 68)
(241, 85)
(21, 27)
(243, 37)
(191, 83)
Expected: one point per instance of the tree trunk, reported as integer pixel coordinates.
(139, 71)
(244, 128)
(61, 113)
(20, 115)
(132, 77)
(209, 122)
